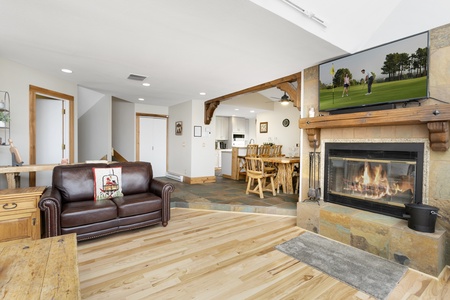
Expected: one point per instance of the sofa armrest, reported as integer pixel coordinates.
(163, 190)
(50, 203)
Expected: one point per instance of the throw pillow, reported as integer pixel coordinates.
(107, 183)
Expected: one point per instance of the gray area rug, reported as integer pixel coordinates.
(364, 271)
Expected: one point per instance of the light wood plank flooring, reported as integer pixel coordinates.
(206, 254)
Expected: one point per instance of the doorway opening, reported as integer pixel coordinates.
(36, 93)
(151, 141)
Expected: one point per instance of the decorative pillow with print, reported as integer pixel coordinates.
(107, 183)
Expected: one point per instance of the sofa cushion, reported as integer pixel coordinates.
(136, 177)
(107, 183)
(131, 205)
(87, 212)
(75, 182)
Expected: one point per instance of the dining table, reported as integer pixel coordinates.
(285, 166)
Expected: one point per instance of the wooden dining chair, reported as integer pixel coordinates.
(251, 151)
(264, 150)
(256, 171)
(275, 150)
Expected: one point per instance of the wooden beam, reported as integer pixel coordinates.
(212, 104)
(435, 116)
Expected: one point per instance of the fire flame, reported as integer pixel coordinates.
(372, 182)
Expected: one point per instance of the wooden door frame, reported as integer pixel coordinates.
(33, 92)
(138, 128)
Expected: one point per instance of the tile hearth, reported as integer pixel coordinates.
(385, 236)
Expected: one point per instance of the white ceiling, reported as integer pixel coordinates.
(187, 47)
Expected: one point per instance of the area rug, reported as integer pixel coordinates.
(364, 271)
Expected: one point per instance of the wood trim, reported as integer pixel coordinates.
(33, 91)
(281, 83)
(435, 116)
(199, 180)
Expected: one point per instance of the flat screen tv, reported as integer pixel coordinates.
(399, 73)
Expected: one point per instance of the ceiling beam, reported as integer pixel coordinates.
(283, 84)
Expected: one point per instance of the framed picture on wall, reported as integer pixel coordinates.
(263, 127)
(178, 128)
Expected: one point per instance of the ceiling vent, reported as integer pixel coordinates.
(136, 77)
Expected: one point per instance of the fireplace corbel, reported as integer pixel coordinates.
(439, 138)
(435, 116)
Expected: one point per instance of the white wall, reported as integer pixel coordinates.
(189, 155)
(180, 145)
(94, 126)
(203, 156)
(124, 128)
(277, 133)
(151, 109)
(16, 79)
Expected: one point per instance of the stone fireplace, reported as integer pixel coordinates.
(365, 186)
(377, 176)
(380, 234)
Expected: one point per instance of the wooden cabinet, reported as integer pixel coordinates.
(19, 213)
(222, 128)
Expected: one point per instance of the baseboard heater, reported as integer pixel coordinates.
(175, 177)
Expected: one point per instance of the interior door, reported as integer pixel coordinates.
(51, 135)
(153, 143)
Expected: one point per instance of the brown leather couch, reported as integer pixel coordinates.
(68, 205)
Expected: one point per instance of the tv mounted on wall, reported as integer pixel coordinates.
(399, 70)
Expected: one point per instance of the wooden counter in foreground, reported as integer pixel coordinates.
(40, 269)
(11, 172)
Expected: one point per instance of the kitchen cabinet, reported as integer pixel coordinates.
(222, 124)
(20, 216)
(239, 125)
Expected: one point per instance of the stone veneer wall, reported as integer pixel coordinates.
(439, 165)
(385, 236)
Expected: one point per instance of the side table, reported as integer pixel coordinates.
(20, 216)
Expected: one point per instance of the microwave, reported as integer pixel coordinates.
(238, 140)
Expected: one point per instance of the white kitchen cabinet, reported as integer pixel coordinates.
(226, 163)
(238, 125)
(222, 124)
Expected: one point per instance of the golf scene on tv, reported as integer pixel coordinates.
(394, 72)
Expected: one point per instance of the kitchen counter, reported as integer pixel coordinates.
(230, 162)
(226, 163)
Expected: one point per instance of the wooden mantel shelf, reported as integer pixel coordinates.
(435, 116)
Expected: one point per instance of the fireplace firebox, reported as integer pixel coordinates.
(376, 177)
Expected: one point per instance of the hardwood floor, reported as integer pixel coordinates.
(205, 254)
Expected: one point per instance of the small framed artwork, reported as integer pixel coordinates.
(263, 127)
(178, 128)
(197, 131)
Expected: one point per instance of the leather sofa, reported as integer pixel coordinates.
(68, 205)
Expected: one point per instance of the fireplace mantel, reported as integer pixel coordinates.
(435, 116)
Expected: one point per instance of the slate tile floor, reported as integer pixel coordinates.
(229, 195)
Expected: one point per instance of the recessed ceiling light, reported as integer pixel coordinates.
(141, 99)
(66, 71)
(146, 84)
(236, 109)
(252, 111)
(202, 93)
